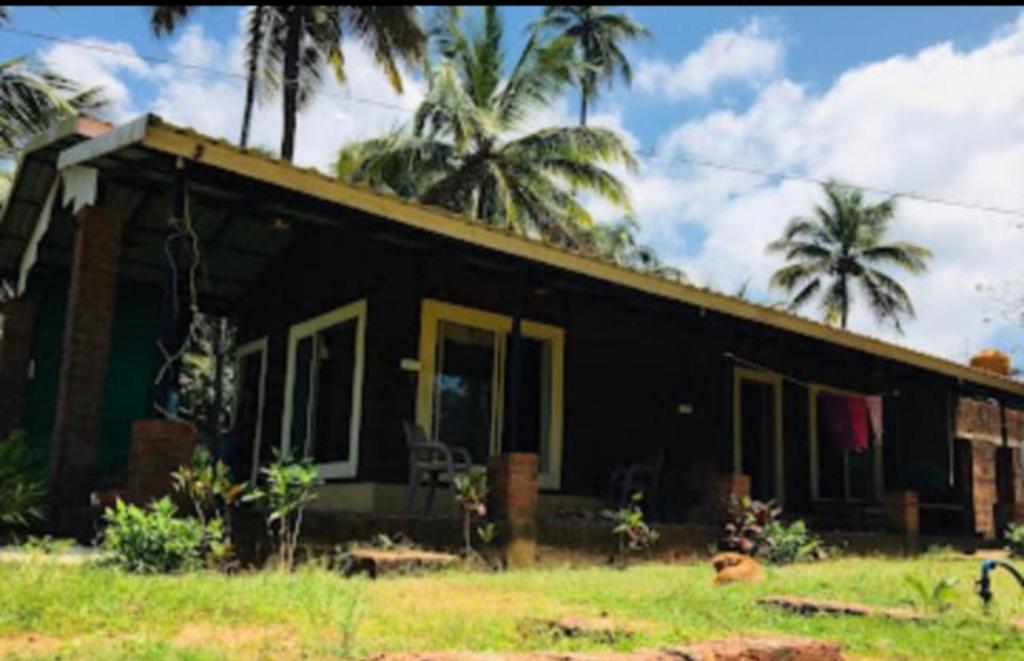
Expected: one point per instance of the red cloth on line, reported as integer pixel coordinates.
(845, 420)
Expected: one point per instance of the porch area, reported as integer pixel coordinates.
(356, 312)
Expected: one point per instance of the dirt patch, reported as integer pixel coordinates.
(773, 648)
(803, 606)
(29, 644)
(237, 640)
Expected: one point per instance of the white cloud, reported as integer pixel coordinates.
(100, 63)
(942, 121)
(191, 91)
(748, 54)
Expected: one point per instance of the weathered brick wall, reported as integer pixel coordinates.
(15, 355)
(159, 447)
(92, 294)
(978, 476)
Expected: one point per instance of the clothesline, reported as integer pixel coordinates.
(792, 379)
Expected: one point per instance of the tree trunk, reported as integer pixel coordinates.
(846, 302)
(583, 107)
(291, 82)
(250, 83)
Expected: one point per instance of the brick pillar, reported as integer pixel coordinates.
(159, 447)
(512, 481)
(720, 490)
(1010, 484)
(19, 318)
(901, 514)
(978, 477)
(92, 293)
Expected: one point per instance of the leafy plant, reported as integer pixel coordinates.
(156, 540)
(1015, 540)
(209, 487)
(935, 599)
(470, 492)
(753, 528)
(22, 482)
(785, 545)
(633, 533)
(288, 488)
(746, 525)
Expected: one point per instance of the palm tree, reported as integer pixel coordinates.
(462, 151)
(840, 245)
(617, 242)
(33, 99)
(288, 48)
(597, 35)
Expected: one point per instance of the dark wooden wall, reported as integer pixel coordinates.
(630, 360)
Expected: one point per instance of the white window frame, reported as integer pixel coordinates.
(241, 352)
(433, 312)
(357, 311)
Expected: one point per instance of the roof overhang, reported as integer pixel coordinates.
(153, 135)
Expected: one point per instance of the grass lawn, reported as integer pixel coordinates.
(48, 610)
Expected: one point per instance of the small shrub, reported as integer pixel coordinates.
(785, 545)
(156, 540)
(745, 528)
(288, 488)
(471, 494)
(633, 533)
(933, 600)
(753, 528)
(209, 487)
(1015, 540)
(22, 482)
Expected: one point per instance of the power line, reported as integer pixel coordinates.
(152, 59)
(910, 195)
(651, 153)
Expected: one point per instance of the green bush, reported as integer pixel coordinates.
(785, 545)
(22, 482)
(288, 486)
(155, 540)
(1015, 540)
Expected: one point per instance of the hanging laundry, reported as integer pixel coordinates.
(845, 420)
(875, 415)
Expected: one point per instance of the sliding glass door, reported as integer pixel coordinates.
(463, 360)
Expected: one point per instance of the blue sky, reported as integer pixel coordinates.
(926, 99)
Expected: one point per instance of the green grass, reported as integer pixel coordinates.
(92, 612)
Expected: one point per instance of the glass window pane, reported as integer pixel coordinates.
(336, 364)
(464, 388)
(300, 396)
(240, 451)
(535, 399)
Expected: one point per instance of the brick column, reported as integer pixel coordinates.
(512, 483)
(720, 490)
(1010, 508)
(92, 293)
(19, 317)
(901, 514)
(159, 447)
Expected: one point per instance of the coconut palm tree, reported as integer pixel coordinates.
(841, 246)
(465, 149)
(598, 35)
(32, 99)
(617, 242)
(288, 48)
